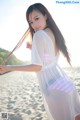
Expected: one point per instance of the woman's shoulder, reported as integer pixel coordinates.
(40, 36)
(39, 33)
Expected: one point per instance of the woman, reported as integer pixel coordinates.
(60, 97)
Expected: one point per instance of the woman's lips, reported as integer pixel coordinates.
(37, 29)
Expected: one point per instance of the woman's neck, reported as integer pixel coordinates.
(46, 27)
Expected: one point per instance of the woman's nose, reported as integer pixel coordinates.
(36, 24)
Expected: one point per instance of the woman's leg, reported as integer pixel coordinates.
(77, 117)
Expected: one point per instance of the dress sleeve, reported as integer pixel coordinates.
(38, 48)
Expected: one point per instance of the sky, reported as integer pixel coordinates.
(13, 24)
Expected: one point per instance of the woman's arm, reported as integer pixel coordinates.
(26, 68)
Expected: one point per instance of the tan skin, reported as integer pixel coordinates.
(38, 22)
(77, 117)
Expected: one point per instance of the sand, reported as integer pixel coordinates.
(20, 95)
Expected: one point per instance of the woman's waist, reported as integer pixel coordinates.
(49, 65)
(52, 74)
(49, 73)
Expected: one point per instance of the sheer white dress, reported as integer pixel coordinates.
(61, 99)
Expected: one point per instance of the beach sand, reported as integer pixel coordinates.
(20, 96)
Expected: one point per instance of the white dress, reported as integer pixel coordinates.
(60, 96)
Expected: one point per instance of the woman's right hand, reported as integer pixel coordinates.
(29, 45)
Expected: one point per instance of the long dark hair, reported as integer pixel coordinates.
(59, 39)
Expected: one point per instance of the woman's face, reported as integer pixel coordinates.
(37, 20)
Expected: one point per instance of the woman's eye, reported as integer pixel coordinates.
(30, 23)
(37, 19)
